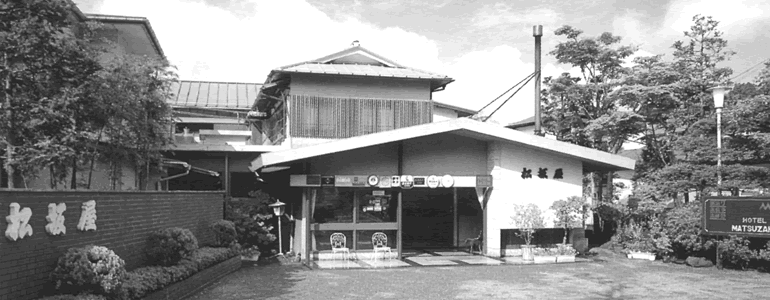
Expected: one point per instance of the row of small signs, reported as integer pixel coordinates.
(392, 181)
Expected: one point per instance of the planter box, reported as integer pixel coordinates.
(250, 258)
(642, 255)
(197, 282)
(565, 258)
(545, 259)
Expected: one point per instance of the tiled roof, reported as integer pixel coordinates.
(229, 95)
(360, 70)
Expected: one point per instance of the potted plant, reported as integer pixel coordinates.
(565, 253)
(251, 253)
(544, 255)
(527, 219)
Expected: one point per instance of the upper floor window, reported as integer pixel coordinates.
(327, 117)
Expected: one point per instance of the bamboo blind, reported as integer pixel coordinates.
(325, 117)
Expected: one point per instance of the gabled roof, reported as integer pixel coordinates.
(144, 22)
(359, 61)
(208, 94)
(592, 158)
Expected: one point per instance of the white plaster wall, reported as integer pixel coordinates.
(505, 164)
(443, 114)
(379, 160)
(445, 154)
(299, 142)
(349, 86)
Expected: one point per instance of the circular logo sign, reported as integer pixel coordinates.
(384, 181)
(433, 181)
(447, 181)
(373, 180)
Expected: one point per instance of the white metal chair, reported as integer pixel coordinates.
(380, 244)
(339, 245)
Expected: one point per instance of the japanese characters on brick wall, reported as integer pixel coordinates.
(542, 173)
(18, 220)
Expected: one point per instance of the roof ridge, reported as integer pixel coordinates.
(221, 82)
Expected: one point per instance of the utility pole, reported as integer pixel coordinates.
(537, 32)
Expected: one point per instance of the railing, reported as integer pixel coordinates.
(326, 117)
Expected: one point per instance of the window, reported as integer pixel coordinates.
(192, 127)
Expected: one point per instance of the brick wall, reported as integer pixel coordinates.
(124, 221)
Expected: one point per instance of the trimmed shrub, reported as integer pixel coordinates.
(254, 221)
(683, 226)
(169, 246)
(89, 269)
(146, 280)
(224, 233)
(735, 253)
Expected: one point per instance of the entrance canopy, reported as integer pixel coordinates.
(592, 159)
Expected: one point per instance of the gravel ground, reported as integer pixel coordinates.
(614, 278)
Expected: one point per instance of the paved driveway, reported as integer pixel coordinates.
(615, 279)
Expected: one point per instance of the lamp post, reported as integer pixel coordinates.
(278, 210)
(719, 93)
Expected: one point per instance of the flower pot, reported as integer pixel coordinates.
(565, 258)
(545, 259)
(526, 253)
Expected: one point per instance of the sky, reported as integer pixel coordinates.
(486, 46)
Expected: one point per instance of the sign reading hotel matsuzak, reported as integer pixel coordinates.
(742, 216)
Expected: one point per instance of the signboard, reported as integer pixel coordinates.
(419, 181)
(327, 180)
(343, 181)
(447, 181)
(407, 181)
(433, 181)
(483, 181)
(313, 180)
(384, 182)
(742, 216)
(373, 180)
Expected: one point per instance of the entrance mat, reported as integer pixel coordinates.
(385, 263)
(452, 253)
(480, 261)
(338, 264)
(431, 262)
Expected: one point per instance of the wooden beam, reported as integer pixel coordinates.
(399, 219)
(455, 220)
(306, 227)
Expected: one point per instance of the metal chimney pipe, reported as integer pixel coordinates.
(537, 32)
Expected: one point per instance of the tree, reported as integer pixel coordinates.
(44, 64)
(585, 110)
(70, 101)
(570, 213)
(130, 95)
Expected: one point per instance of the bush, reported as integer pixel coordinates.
(224, 233)
(735, 253)
(146, 280)
(169, 246)
(683, 226)
(89, 269)
(251, 219)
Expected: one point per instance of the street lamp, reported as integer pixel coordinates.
(719, 93)
(278, 210)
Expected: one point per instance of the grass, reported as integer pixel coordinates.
(611, 279)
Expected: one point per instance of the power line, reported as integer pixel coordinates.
(503, 94)
(744, 72)
(533, 75)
